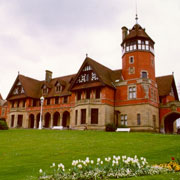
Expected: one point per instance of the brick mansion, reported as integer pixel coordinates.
(96, 95)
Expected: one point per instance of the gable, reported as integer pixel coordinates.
(93, 74)
(87, 75)
(166, 86)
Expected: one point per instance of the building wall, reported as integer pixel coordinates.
(146, 112)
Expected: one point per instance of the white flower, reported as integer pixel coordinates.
(123, 157)
(92, 162)
(101, 162)
(61, 166)
(98, 159)
(40, 171)
(79, 166)
(53, 164)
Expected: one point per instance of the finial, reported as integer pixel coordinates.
(86, 54)
(18, 72)
(136, 18)
(173, 73)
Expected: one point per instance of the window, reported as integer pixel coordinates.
(98, 92)
(131, 59)
(56, 100)
(144, 74)
(132, 92)
(76, 116)
(18, 103)
(138, 119)
(79, 95)
(48, 101)
(88, 93)
(65, 99)
(94, 116)
(45, 89)
(83, 116)
(34, 102)
(124, 119)
(24, 103)
(58, 87)
(12, 105)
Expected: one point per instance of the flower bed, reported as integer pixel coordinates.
(109, 167)
(173, 165)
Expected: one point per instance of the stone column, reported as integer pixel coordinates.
(15, 120)
(35, 122)
(51, 121)
(61, 116)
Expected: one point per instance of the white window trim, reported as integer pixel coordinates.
(132, 86)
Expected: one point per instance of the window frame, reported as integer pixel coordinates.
(132, 92)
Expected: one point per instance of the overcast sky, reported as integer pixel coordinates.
(39, 35)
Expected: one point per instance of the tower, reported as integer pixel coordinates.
(138, 92)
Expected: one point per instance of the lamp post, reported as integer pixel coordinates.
(40, 121)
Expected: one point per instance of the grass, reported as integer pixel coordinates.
(24, 152)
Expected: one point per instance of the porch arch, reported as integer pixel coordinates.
(169, 120)
(56, 119)
(31, 121)
(66, 119)
(47, 120)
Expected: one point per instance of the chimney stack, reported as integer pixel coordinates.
(124, 32)
(48, 76)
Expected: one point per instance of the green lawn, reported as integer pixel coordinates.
(24, 152)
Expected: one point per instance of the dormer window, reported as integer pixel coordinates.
(45, 89)
(58, 87)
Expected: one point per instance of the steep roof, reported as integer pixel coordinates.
(165, 83)
(32, 87)
(106, 75)
(137, 32)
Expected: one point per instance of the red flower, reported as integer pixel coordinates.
(173, 158)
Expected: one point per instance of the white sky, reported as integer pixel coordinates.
(36, 35)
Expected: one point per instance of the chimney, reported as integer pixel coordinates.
(48, 76)
(124, 32)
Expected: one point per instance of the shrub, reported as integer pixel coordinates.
(110, 127)
(3, 125)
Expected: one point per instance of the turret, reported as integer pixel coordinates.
(137, 54)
